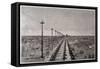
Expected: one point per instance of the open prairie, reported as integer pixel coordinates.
(81, 47)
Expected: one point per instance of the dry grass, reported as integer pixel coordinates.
(83, 47)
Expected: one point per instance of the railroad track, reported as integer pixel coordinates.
(60, 52)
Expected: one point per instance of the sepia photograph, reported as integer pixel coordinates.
(54, 34)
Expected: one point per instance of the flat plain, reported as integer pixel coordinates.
(81, 47)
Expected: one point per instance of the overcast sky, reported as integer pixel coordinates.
(66, 20)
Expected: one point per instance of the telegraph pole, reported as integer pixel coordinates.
(52, 38)
(51, 31)
(55, 32)
(41, 38)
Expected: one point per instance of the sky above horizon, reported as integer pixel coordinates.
(66, 20)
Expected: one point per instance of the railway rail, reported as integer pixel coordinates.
(61, 52)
